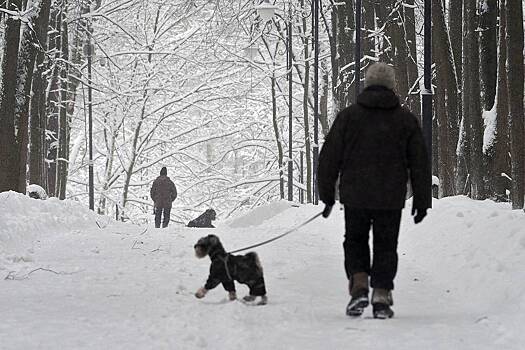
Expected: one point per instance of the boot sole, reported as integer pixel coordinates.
(358, 309)
(382, 316)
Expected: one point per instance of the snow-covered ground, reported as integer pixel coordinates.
(70, 279)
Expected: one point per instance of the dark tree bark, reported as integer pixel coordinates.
(515, 77)
(499, 161)
(446, 90)
(30, 46)
(414, 98)
(488, 52)
(343, 26)
(455, 25)
(9, 148)
(306, 117)
(37, 114)
(278, 140)
(52, 99)
(472, 100)
(400, 55)
(323, 99)
(63, 124)
(369, 29)
(384, 15)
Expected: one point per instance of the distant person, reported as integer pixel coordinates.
(163, 192)
(374, 146)
(204, 220)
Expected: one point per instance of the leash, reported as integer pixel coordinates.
(280, 236)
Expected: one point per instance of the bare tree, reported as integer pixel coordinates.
(471, 101)
(445, 101)
(515, 74)
(488, 51)
(9, 138)
(37, 114)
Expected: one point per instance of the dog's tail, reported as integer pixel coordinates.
(255, 257)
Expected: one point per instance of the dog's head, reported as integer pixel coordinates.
(207, 246)
(211, 214)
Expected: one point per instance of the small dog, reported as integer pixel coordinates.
(226, 268)
(204, 220)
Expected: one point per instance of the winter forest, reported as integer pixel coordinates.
(212, 91)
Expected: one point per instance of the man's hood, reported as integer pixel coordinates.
(378, 97)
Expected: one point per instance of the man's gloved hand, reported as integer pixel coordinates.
(328, 209)
(419, 214)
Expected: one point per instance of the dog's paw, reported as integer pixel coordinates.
(232, 295)
(263, 301)
(201, 292)
(249, 298)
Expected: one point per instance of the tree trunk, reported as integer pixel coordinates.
(443, 63)
(63, 124)
(369, 21)
(277, 137)
(455, 22)
(306, 117)
(52, 98)
(472, 100)
(37, 114)
(343, 25)
(515, 76)
(9, 148)
(414, 98)
(26, 62)
(323, 99)
(400, 56)
(499, 160)
(488, 52)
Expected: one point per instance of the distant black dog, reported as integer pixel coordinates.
(204, 220)
(226, 268)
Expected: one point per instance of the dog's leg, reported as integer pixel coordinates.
(249, 298)
(263, 301)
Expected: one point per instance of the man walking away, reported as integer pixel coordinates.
(163, 192)
(374, 146)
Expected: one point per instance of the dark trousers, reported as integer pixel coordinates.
(158, 217)
(385, 228)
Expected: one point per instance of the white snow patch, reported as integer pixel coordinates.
(38, 190)
(460, 283)
(259, 215)
(490, 122)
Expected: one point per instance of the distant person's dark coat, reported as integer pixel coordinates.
(204, 220)
(163, 192)
(374, 146)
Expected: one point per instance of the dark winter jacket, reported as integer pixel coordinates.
(163, 192)
(375, 146)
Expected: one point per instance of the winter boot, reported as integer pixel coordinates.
(359, 291)
(381, 302)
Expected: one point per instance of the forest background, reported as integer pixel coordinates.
(200, 86)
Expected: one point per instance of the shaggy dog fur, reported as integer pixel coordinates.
(204, 220)
(226, 268)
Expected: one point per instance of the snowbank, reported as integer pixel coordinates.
(26, 220)
(259, 215)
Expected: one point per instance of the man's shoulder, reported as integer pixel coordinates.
(407, 115)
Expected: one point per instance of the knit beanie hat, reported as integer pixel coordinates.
(380, 74)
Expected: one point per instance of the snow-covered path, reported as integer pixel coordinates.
(461, 283)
